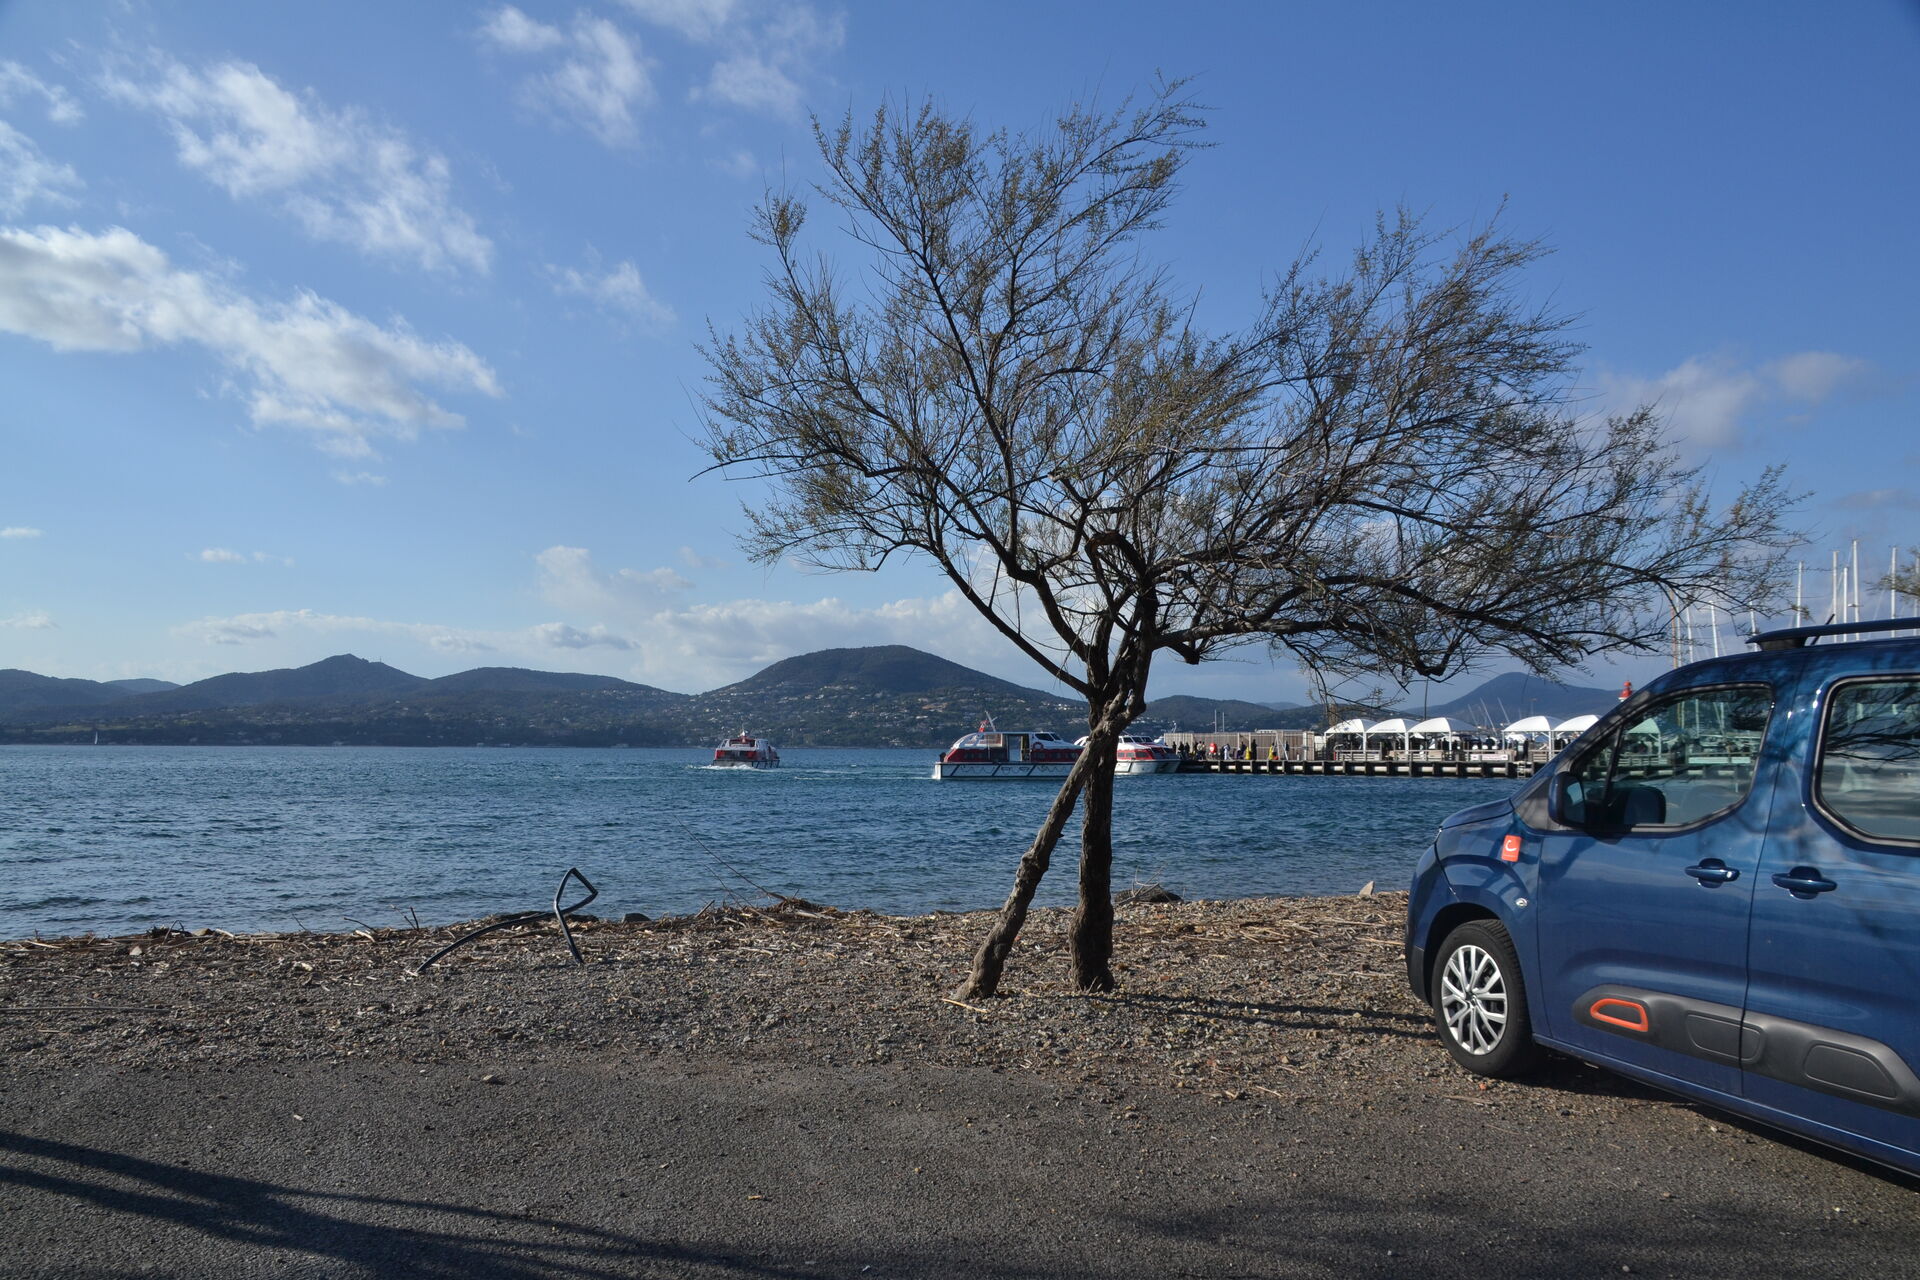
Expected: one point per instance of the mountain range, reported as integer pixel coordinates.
(886, 696)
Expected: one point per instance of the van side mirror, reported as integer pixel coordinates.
(1564, 801)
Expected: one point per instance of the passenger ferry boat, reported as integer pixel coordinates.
(990, 754)
(1138, 755)
(744, 751)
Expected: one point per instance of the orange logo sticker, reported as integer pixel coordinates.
(1510, 849)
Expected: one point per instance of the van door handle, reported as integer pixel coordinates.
(1713, 871)
(1804, 882)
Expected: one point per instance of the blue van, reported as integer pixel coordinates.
(1715, 890)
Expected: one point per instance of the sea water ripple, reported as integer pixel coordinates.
(122, 839)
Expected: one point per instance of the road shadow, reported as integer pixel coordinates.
(1442, 1232)
(454, 1241)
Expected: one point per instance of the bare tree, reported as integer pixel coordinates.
(1380, 473)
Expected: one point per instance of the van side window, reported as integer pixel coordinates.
(1868, 775)
(1681, 760)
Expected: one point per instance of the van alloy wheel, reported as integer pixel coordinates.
(1473, 999)
(1480, 1002)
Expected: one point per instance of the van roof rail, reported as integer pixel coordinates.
(1800, 637)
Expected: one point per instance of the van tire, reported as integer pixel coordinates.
(1480, 1003)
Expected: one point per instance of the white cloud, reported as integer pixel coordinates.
(27, 177)
(569, 579)
(697, 20)
(1890, 499)
(763, 63)
(221, 555)
(29, 622)
(699, 562)
(371, 478)
(247, 628)
(662, 580)
(1813, 376)
(749, 80)
(342, 176)
(448, 640)
(1704, 399)
(559, 635)
(764, 49)
(307, 363)
(620, 290)
(19, 531)
(596, 77)
(235, 631)
(509, 29)
(738, 163)
(1710, 401)
(17, 82)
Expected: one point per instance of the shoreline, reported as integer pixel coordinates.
(711, 909)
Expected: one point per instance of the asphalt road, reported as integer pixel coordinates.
(759, 1171)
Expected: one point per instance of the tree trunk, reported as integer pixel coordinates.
(1091, 939)
(991, 957)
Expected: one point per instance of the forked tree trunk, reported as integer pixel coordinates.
(990, 959)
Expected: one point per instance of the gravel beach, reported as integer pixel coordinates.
(788, 1091)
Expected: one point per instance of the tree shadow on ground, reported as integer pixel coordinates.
(1284, 1017)
(455, 1241)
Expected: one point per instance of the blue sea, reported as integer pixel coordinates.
(122, 839)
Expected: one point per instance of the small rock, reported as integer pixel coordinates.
(635, 917)
(1145, 893)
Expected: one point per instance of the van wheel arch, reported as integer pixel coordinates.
(1443, 924)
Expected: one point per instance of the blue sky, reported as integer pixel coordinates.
(371, 328)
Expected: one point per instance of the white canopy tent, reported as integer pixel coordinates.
(1443, 725)
(1526, 728)
(1395, 725)
(1567, 730)
(1352, 726)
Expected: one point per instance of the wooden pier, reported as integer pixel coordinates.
(1368, 768)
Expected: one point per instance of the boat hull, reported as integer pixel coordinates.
(1139, 768)
(1002, 771)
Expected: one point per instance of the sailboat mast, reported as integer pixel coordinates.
(1856, 581)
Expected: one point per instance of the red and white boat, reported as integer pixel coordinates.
(744, 751)
(1140, 755)
(991, 754)
(1137, 755)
